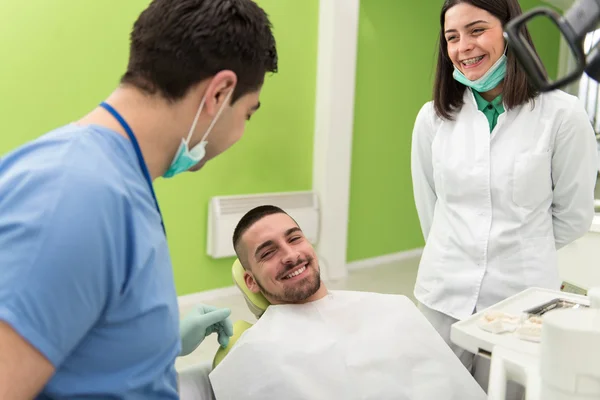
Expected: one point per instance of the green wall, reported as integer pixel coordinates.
(61, 58)
(395, 70)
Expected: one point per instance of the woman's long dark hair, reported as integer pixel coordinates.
(448, 93)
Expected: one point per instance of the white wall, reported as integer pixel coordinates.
(579, 262)
(338, 31)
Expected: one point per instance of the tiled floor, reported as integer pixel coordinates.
(396, 278)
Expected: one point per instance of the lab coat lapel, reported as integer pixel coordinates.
(502, 119)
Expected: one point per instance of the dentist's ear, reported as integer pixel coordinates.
(250, 282)
(217, 90)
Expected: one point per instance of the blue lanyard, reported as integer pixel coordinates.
(138, 153)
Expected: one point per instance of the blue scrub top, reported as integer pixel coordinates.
(85, 271)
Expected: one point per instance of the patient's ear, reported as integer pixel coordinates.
(250, 282)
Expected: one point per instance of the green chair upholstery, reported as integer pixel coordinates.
(256, 301)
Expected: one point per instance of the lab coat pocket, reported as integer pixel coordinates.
(532, 179)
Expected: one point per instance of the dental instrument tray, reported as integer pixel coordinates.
(514, 323)
(555, 304)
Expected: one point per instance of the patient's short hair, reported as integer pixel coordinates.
(249, 219)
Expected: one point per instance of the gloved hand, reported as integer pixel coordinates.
(200, 323)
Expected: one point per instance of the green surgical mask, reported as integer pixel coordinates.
(186, 158)
(489, 80)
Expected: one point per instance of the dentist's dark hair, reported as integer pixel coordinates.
(448, 93)
(176, 44)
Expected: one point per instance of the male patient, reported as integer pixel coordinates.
(312, 343)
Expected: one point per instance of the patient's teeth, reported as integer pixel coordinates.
(296, 273)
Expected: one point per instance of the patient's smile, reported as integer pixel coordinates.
(297, 272)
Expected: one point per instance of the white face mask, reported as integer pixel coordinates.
(186, 158)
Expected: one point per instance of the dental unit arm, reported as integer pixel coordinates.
(578, 21)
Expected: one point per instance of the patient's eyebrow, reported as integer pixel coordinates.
(292, 230)
(270, 242)
(262, 246)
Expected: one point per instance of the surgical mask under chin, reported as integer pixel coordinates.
(489, 80)
(186, 158)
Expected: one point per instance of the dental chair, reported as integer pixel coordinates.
(194, 383)
(256, 302)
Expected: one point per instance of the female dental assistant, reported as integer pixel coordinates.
(503, 176)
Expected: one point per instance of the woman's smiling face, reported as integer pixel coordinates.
(475, 39)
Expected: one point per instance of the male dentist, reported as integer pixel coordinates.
(88, 307)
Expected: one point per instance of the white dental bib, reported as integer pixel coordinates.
(348, 345)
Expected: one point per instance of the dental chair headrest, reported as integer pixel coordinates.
(256, 301)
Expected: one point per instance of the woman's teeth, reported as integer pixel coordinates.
(296, 272)
(472, 61)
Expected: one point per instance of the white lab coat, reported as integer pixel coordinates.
(494, 208)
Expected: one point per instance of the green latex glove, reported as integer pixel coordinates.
(200, 323)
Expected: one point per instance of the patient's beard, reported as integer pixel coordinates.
(295, 293)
